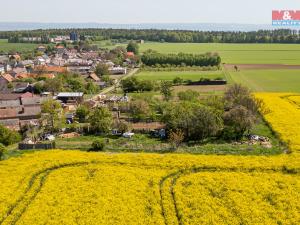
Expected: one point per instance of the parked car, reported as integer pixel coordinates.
(128, 135)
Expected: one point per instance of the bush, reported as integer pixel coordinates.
(2, 150)
(177, 81)
(8, 137)
(176, 138)
(98, 145)
(188, 95)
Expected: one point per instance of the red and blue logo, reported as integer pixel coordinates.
(286, 17)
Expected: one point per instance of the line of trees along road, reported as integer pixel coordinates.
(261, 36)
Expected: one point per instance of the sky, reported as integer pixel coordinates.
(143, 11)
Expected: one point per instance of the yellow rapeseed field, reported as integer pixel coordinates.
(283, 115)
(72, 187)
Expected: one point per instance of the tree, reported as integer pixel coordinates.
(102, 69)
(82, 113)
(237, 121)
(8, 137)
(91, 88)
(180, 59)
(176, 138)
(54, 85)
(146, 85)
(53, 115)
(101, 120)
(133, 47)
(139, 110)
(196, 121)
(133, 84)
(237, 95)
(38, 88)
(130, 84)
(123, 127)
(75, 83)
(241, 110)
(206, 123)
(166, 89)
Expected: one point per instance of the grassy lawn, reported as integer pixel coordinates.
(268, 80)
(185, 75)
(19, 47)
(203, 89)
(235, 53)
(113, 143)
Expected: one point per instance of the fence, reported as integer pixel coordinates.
(23, 146)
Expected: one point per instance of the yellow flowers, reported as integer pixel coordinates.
(238, 198)
(72, 187)
(284, 116)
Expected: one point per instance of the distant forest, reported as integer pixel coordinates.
(175, 36)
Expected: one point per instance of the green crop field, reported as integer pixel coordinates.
(269, 80)
(185, 75)
(236, 53)
(108, 44)
(19, 47)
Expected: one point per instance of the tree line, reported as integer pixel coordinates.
(176, 36)
(151, 58)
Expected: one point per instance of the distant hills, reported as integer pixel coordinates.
(10, 26)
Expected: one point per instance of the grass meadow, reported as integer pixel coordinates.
(268, 80)
(235, 53)
(19, 47)
(184, 75)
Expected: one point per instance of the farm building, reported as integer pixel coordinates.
(70, 97)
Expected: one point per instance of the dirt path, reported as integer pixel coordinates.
(131, 73)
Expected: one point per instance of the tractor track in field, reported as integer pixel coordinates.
(181, 173)
(16, 210)
(35, 178)
(40, 177)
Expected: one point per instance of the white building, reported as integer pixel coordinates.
(117, 70)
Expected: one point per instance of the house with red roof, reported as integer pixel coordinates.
(60, 49)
